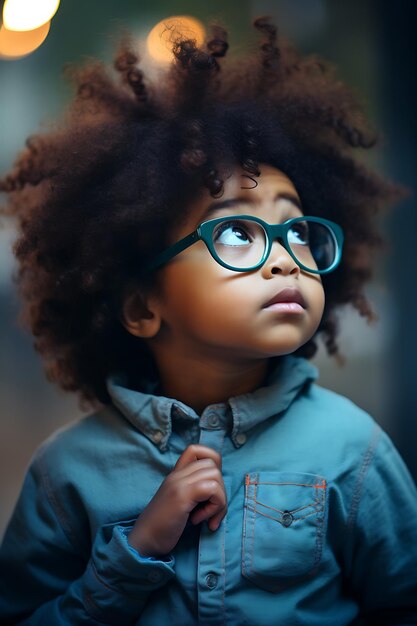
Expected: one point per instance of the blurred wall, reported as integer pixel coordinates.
(398, 105)
(371, 42)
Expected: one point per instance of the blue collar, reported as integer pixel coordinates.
(156, 416)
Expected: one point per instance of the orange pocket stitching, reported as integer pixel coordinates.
(296, 519)
(267, 506)
(323, 486)
(253, 527)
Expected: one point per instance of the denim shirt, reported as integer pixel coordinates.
(321, 526)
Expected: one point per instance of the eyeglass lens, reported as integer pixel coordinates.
(242, 243)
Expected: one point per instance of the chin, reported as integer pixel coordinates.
(282, 348)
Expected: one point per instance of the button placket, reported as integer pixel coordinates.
(211, 564)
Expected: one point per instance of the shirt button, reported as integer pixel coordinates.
(154, 576)
(287, 519)
(213, 420)
(241, 438)
(211, 580)
(157, 436)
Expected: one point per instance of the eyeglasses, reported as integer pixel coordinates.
(242, 243)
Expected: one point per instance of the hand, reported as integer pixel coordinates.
(195, 479)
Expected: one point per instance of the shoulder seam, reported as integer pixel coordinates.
(57, 509)
(357, 492)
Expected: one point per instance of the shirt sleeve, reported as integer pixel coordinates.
(383, 525)
(45, 579)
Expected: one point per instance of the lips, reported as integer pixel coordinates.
(287, 295)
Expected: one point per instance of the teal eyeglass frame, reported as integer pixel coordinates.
(204, 232)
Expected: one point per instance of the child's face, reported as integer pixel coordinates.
(206, 309)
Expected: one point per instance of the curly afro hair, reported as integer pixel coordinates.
(96, 194)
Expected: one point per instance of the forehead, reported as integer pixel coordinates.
(269, 181)
(257, 189)
(239, 187)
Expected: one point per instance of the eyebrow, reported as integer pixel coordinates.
(227, 204)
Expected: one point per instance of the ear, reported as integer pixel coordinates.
(140, 315)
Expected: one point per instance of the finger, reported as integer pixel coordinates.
(199, 474)
(205, 512)
(216, 520)
(214, 505)
(196, 451)
(195, 467)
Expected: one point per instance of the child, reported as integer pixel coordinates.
(180, 252)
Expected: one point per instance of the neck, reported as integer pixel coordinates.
(198, 383)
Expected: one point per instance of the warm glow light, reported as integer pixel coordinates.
(22, 15)
(14, 44)
(159, 39)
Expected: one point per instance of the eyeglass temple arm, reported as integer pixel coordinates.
(173, 250)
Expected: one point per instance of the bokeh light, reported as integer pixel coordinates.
(16, 44)
(159, 39)
(24, 15)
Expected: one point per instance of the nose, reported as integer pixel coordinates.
(280, 262)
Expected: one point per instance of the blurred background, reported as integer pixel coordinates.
(373, 44)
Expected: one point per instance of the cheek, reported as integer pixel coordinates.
(184, 291)
(317, 300)
(202, 293)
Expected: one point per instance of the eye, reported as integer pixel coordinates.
(234, 233)
(299, 233)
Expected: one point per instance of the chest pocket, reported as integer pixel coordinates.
(283, 528)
